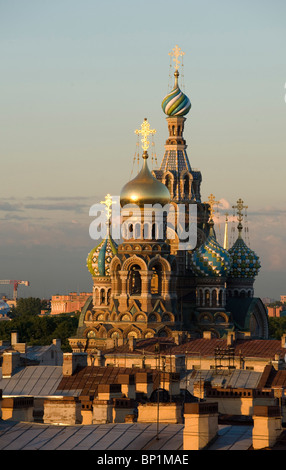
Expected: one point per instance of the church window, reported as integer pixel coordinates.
(102, 296)
(168, 183)
(156, 280)
(207, 297)
(186, 186)
(135, 280)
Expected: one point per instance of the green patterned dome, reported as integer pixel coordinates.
(99, 259)
(210, 259)
(245, 262)
(176, 103)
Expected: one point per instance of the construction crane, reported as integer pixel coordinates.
(15, 286)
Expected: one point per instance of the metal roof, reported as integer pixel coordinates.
(33, 380)
(224, 378)
(125, 436)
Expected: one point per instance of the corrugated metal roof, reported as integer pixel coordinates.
(223, 378)
(32, 380)
(126, 436)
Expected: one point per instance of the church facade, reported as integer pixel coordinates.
(146, 286)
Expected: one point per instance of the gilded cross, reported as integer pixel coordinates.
(145, 131)
(239, 206)
(108, 203)
(211, 203)
(176, 53)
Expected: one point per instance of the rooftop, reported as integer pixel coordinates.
(109, 437)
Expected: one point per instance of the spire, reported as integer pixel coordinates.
(239, 206)
(211, 202)
(225, 241)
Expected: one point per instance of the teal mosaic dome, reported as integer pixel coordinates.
(176, 103)
(99, 259)
(211, 259)
(245, 262)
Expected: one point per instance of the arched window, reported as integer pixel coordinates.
(135, 280)
(168, 183)
(186, 186)
(156, 280)
(207, 297)
(102, 296)
(137, 231)
(146, 231)
(214, 298)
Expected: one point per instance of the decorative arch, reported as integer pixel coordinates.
(88, 316)
(149, 333)
(125, 316)
(205, 317)
(220, 317)
(154, 317)
(90, 333)
(164, 332)
(115, 333)
(140, 316)
(159, 260)
(132, 331)
(134, 259)
(168, 317)
(102, 332)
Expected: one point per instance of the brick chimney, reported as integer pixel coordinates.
(11, 360)
(231, 337)
(73, 361)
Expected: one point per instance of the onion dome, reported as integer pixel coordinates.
(210, 259)
(144, 189)
(176, 103)
(99, 259)
(245, 262)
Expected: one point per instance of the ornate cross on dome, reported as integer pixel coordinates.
(108, 203)
(239, 206)
(176, 53)
(145, 131)
(211, 203)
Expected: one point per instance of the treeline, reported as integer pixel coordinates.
(35, 330)
(277, 327)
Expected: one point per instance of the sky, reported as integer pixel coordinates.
(78, 77)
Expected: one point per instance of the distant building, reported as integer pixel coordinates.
(283, 298)
(277, 311)
(68, 303)
(4, 309)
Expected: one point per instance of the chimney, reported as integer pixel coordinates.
(57, 343)
(11, 360)
(207, 335)
(72, 362)
(132, 343)
(283, 341)
(267, 426)
(14, 338)
(201, 425)
(230, 338)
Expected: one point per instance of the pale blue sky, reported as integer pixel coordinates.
(78, 77)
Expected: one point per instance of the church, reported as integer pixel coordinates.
(146, 285)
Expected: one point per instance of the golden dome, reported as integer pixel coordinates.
(144, 189)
